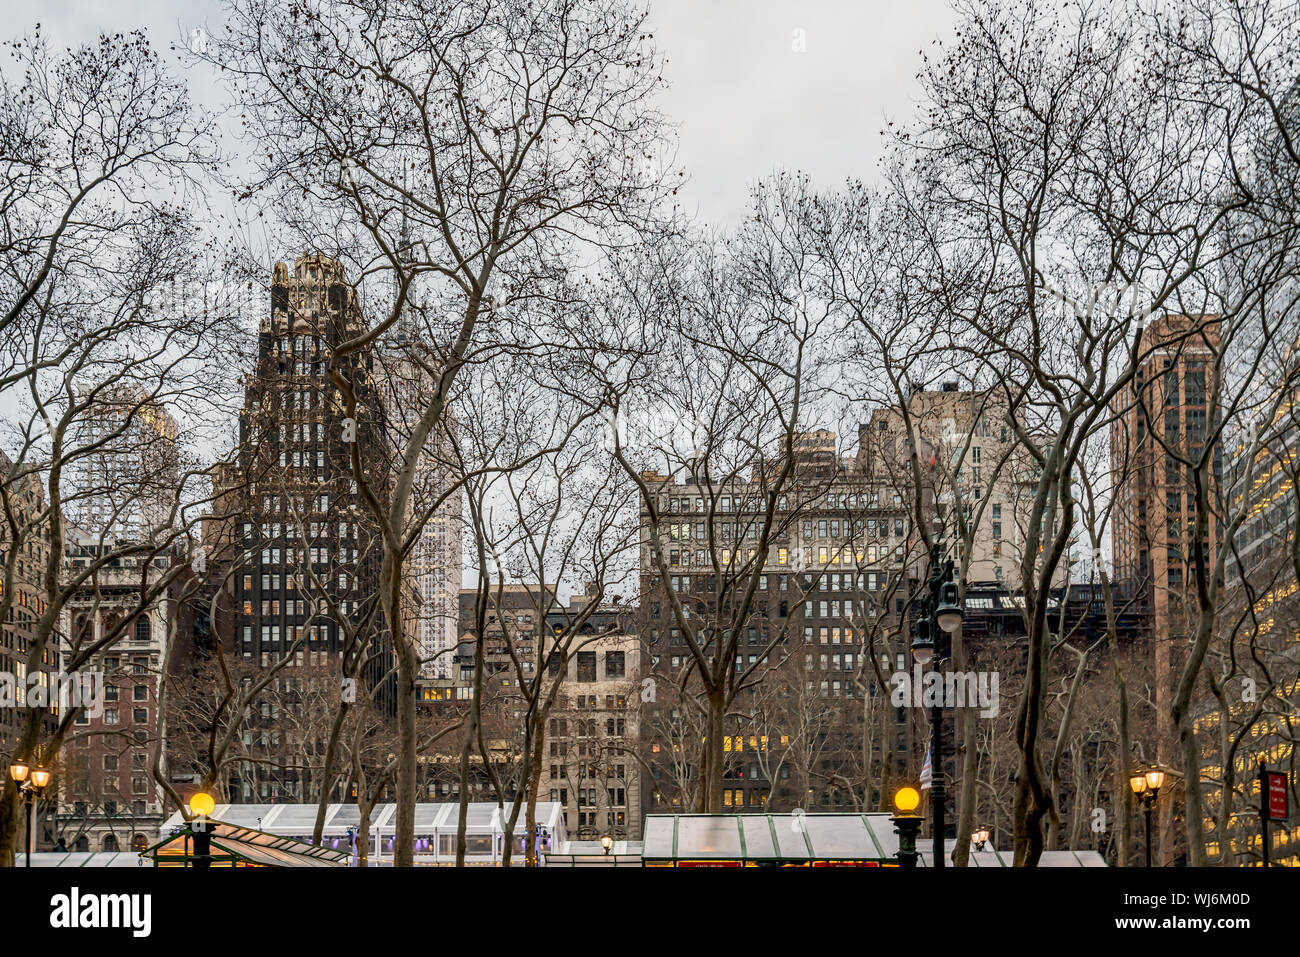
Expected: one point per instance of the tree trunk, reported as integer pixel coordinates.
(404, 838)
(710, 795)
(1226, 856)
(1078, 812)
(1032, 801)
(408, 669)
(327, 773)
(1192, 814)
(1124, 796)
(886, 802)
(1193, 820)
(471, 735)
(363, 836)
(534, 784)
(9, 825)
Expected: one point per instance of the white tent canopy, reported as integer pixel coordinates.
(435, 827)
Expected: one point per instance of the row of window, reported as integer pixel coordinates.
(615, 665)
(591, 701)
(112, 716)
(560, 749)
(756, 503)
(614, 727)
(589, 771)
(588, 797)
(845, 554)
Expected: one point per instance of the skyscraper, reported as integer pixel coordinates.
(1161, 418)
(1161, 422)
(310, 553)
(121, 488)
(122, 476)
(432, 570)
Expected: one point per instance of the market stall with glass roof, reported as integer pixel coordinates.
(798, 839)
(234, 846)
(769, 840)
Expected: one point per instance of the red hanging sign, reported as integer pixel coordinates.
(1275, 796)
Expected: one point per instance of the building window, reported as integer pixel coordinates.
(615, 664)
(586, 666)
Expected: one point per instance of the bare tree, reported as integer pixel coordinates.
(1043, 147)
(723, 414)
(501, 136)
(91, 140)
(560, 515)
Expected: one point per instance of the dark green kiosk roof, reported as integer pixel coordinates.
(234, 846)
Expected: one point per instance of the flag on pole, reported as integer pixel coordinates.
(927, 771)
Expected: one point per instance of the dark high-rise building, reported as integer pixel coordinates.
(315, 554)
(830, 595)
(307, 551)
(1161, 423)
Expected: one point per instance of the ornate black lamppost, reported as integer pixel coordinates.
(1146, 786)
(907, 823)
(940, 615)
(31, 782)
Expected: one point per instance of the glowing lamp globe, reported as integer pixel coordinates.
(202, 804)
(907, 799)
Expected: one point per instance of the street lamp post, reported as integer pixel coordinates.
(940, 614)
(907, 823)
(979, 837)
(1146, 787)
(31, 782)
(201, 805)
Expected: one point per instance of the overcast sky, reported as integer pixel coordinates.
(746, 101)
(755, 85)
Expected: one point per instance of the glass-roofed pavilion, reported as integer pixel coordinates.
(801, 840)
(435, 828)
